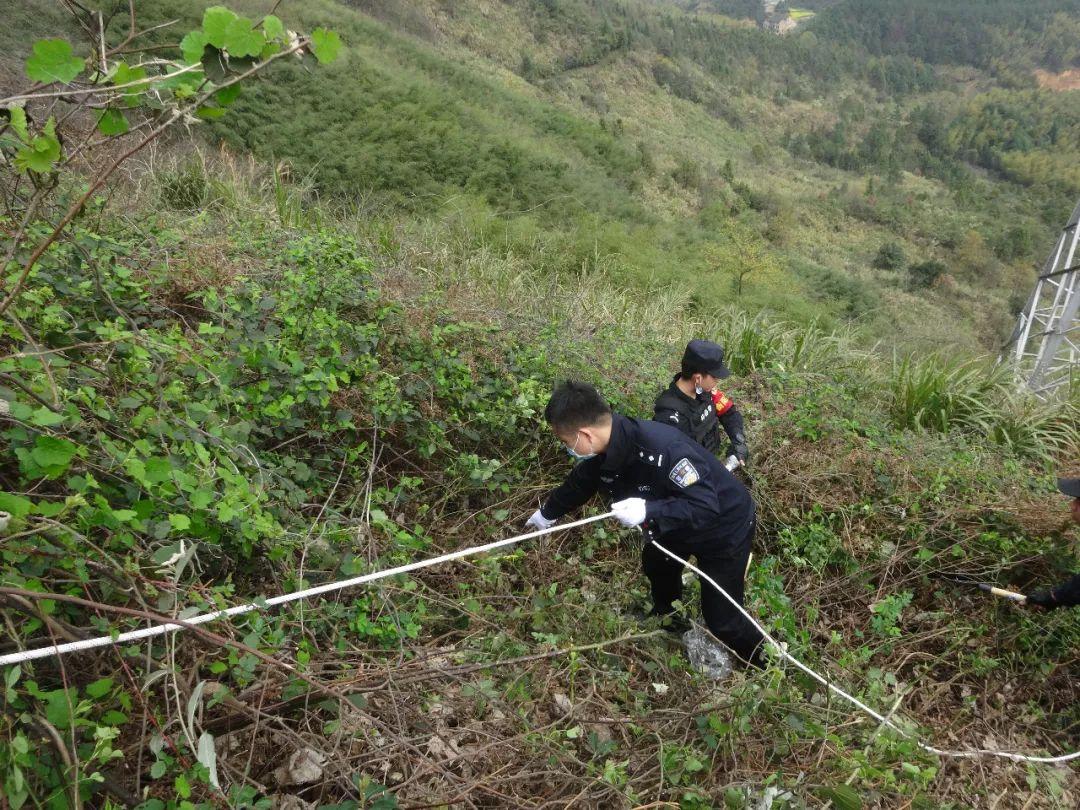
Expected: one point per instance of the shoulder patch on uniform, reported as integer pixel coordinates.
(684, 474)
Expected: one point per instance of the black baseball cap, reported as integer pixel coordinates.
(1070, 487)
(704, 357)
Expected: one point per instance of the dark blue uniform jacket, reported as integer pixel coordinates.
(690, 496)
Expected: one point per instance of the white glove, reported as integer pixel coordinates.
(539, 522)
(630, 512)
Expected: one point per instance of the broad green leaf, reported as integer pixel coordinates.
(201, 498)
(49, 508)
(228, 95)
(180, 522)
(39, 157)
(274, 27)
(41, 153)
(243, 39)
(136, 469)
(126, 74)
(99, 688)
(192, 45)
(18, 123)
(44, 417)
(325, 45)
(15, 505)
(112, 122)
(58, 708)
(124, 515)
(216, 21)
(52, 454)
(183, 788)
(53, 61)
(158, 470)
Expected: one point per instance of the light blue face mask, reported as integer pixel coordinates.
(574, 454)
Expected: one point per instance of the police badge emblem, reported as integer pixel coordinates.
(684, 474)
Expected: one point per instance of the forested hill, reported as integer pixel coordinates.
(988, 34)
(815, 176)
(993, 35)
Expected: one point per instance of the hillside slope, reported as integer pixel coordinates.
(686, 149)
(291, 400)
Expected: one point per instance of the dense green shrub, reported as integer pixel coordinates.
(890, 256)
(925, 274)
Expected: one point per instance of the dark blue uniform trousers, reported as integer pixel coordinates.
(727, 566)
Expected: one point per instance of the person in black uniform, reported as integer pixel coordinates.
(693, 404)
(678, 494)
(1067, 594)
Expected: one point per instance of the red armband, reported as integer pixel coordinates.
(722, 403)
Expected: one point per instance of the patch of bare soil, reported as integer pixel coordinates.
(1066, 80)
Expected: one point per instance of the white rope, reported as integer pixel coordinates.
(886, 721)
(160, 629)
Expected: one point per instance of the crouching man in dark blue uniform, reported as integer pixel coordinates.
(670, 486)
(1067, 594)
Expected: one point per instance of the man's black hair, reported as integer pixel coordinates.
(575, 405)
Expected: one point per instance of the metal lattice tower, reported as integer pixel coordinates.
(1045, 346)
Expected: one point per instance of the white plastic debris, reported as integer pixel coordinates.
(563, 704)
(772, 794)
(706, 654)
(303, 767)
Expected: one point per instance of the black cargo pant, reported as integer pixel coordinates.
(728, 567)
